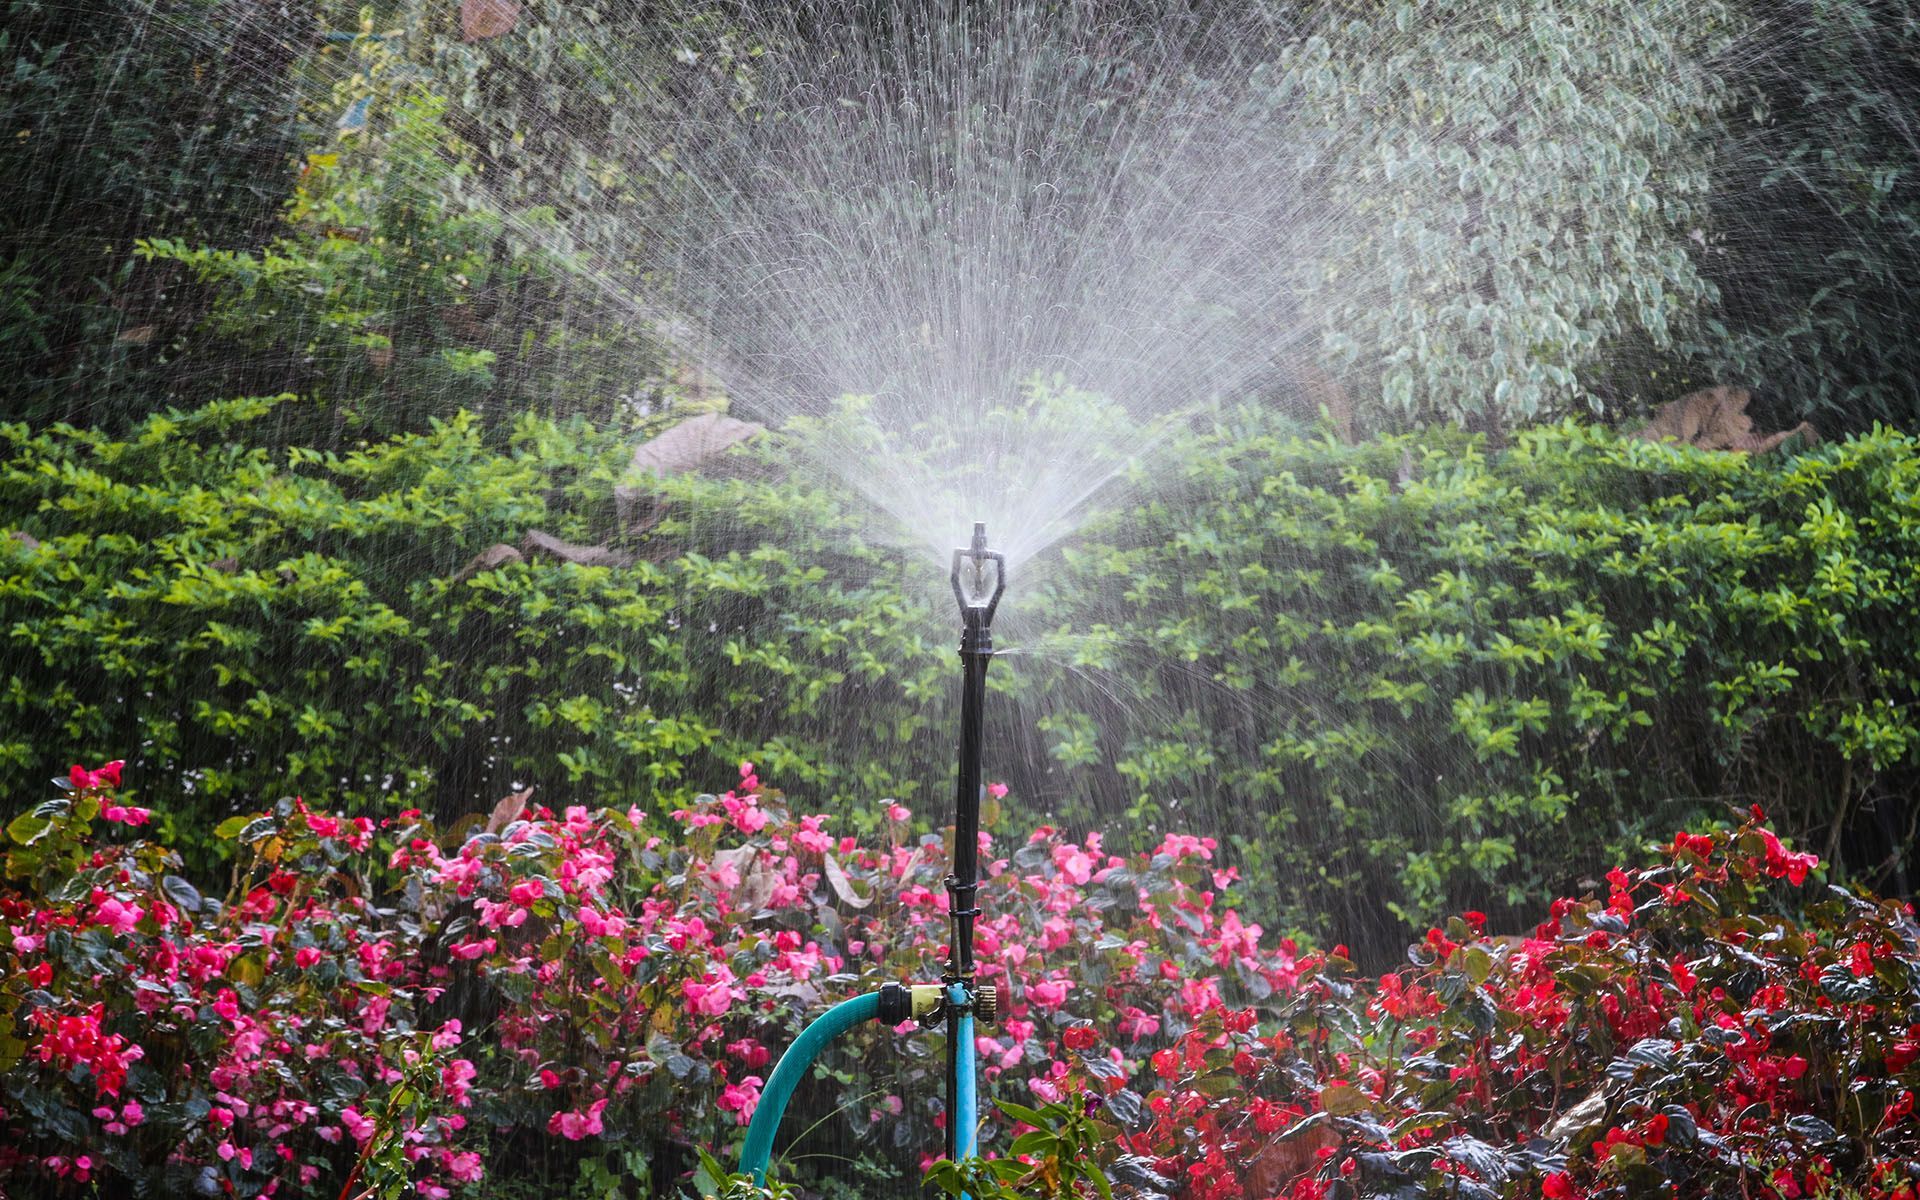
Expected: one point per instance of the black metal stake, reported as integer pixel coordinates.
(979, 580)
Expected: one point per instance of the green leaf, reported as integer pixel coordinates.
(28, 828)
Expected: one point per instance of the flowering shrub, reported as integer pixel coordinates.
(635, 997)
(377, 1006)
(271, 1037)
(370, 1005)
(1677, 1038)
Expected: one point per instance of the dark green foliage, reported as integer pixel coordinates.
(397, 287)
(1413, 674)
(124, 119)
(1819, 195)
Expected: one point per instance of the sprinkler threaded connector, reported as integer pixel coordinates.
(986, 1003)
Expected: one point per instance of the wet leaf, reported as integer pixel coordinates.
(1344, 1100)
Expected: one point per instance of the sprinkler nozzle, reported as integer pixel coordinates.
(979, 577)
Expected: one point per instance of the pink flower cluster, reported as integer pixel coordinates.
(644, 975)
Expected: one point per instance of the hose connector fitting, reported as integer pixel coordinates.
(896, 1003)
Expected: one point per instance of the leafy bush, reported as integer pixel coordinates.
(1516, 198)
(392, 289)
(1817, 193)
(125, 118)
(1428, 675)
(1413, 661)
(261, 620)
(1680, 1038)
(395, 1005)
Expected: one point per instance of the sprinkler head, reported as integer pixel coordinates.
(979, 577)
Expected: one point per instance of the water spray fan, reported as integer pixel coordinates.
(979, 580)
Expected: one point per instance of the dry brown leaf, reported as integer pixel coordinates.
(1325, 394)
(1589, 1111)
(497, 555)
(538, 542)
(680, 449)
(483, 19)
(508, 810)
(843, 886)
(1278, 1163)
(1716, 419)
(692, 442)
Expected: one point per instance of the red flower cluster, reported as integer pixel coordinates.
(1680, 1038)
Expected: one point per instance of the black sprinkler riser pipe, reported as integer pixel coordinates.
(963, 884)
(976, 651)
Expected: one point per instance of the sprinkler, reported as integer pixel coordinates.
(979, 580)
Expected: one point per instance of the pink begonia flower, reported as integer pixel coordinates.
(1047, 1086)
(457, 1078)
(1049, 994)
(464, 1167)
(897, 811)
(713, 995)
(373, 1014)
(750, 1051)
(27, 943)
(741, 1099)
(1200, 995)
(125, 814)
(361, 1127)
(431, 1190)
(105, 777)
(725, 875)
(1136, 1025)
(120, 918)
(811, 837)
(1073, 863)
(306, 956)
(577, 1124)
(997, 790)
(526, 892)
(325, 827)
(596, 924)
(748, 817)
(472, 950)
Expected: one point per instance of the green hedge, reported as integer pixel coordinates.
(1399, 675)
(1414, 672)
(257, 623)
